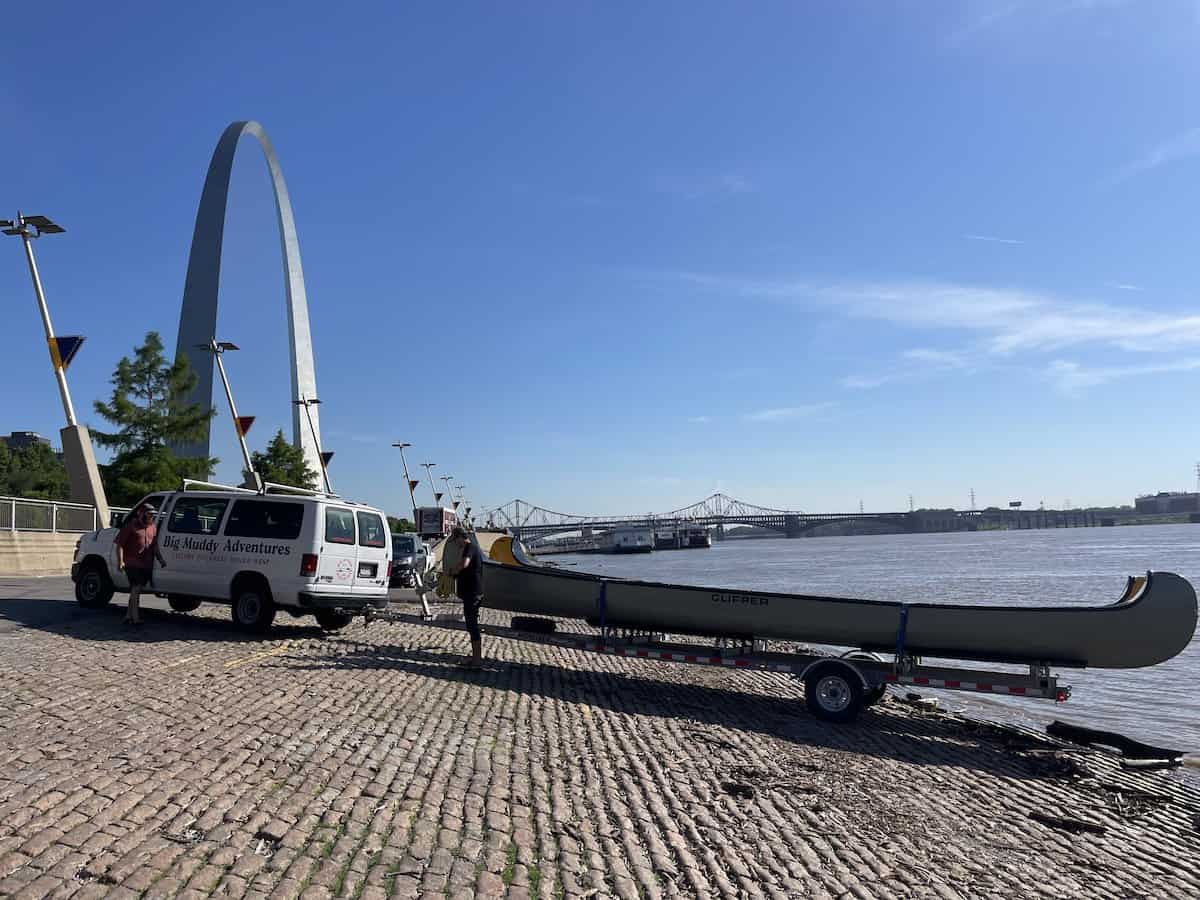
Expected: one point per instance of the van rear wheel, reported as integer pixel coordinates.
(253, 609)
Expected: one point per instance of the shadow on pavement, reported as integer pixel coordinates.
(888, 731)
(105, 624)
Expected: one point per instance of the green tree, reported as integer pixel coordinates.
(150, 409)
(283, 463)
(33, 472)
(400, 526)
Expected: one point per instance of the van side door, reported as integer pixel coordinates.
(191, 544)
(339, 553)
(155, 500)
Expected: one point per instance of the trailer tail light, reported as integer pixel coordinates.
(308, 564)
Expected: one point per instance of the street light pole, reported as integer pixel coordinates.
(82, 472)
(432, 486)
(407, 478)
(306, 402)
(217, 349)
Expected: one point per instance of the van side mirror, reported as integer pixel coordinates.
(115, 519)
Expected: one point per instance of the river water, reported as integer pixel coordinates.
(1086, 566)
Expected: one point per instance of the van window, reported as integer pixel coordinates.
(265, 519)
(196, 515)
(403, 545)
(371, 532)
(339, 526)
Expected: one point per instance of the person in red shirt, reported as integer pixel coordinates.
(137, 548)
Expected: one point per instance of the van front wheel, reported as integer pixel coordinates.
(253, 608)
(93, 590)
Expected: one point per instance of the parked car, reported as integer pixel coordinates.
(410, 559)
(305, 553)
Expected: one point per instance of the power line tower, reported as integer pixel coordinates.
(910, 503)
(972, 499)
(860, 507)
(1198, 478)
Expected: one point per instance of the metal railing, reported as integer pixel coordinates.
(52, 516)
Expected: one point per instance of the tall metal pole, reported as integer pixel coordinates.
(218, 351)
(433, 487)
(305, 402)
(59, 374)
(408, 482)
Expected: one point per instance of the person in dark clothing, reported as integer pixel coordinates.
(469, 588)
(137, 547)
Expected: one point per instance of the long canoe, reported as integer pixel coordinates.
(1153, 620)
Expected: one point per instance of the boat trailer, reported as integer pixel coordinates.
(836, 688)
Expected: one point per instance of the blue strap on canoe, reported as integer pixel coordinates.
(902, 631)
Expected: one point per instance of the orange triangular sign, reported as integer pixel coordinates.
(412, 485)
(437, 498)
(456, 502)
(243, 424)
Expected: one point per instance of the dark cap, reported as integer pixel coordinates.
(148, 507)
(458, 532)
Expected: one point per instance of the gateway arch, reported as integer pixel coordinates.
(198, 317)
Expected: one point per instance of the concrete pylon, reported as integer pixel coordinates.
(83, 474)
(198, 317)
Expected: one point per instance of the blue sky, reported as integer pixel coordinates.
(613, 257)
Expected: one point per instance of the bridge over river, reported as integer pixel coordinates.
(529, 521)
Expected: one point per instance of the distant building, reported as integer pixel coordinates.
(19, 440)
(1167, 502)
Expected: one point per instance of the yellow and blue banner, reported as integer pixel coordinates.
(63, 350)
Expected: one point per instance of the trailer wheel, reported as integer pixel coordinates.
(93, 590)
(833, 691)
(875, 693)
(183, 604)
(332, 621)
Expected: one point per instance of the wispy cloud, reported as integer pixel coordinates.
(991, 239)
(869, 382)
(916, 363)
(1121, 286)
(942, 359)
(699, 420)
(783, 413)
(696, 187)
(1179, 147)
(1071, 377)
(976, 25)
(1008, 320)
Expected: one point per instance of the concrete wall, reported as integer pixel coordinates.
(34, 553)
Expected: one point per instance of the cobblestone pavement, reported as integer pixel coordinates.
(186, 759)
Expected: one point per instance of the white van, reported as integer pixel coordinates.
(309, 553)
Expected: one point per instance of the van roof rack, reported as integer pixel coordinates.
(268, 487)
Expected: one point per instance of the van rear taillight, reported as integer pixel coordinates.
(308, 564)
